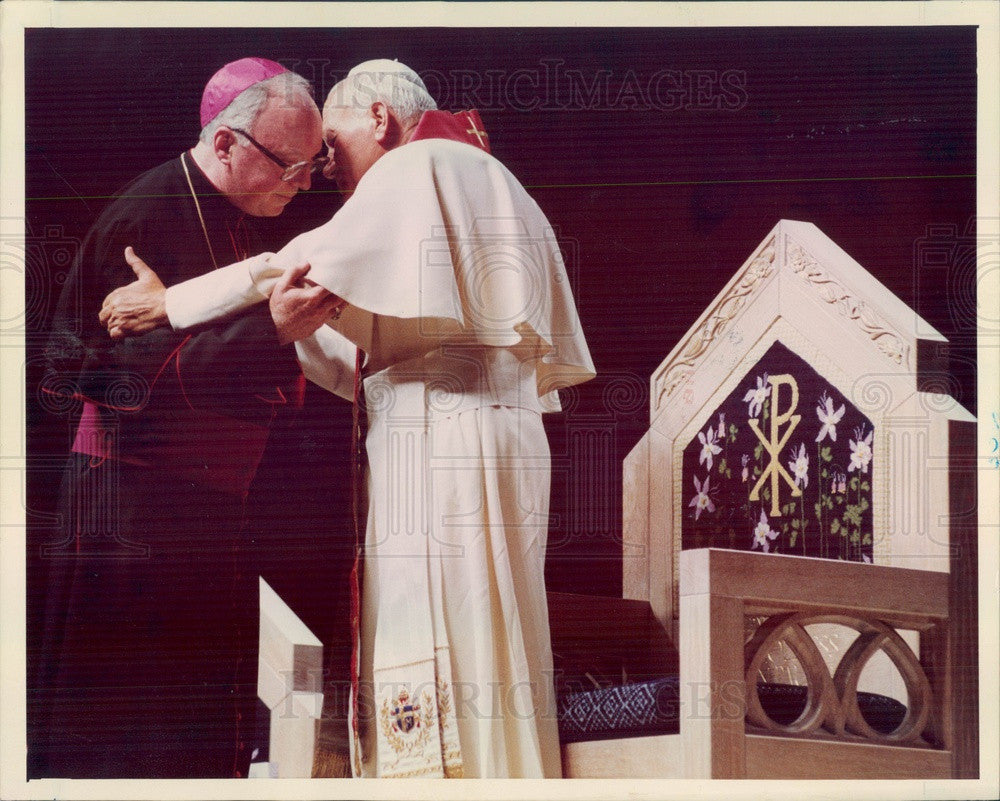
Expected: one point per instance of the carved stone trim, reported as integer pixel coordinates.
(693, 349)
(800, 262)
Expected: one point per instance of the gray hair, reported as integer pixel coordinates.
(390, 82)
(244, 109)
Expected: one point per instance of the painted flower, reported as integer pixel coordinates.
(861, 451)
(708, 447)
(722, 425)
(838, 484)
(756, 397)
(828, 417)
(762, 534)
(701, 501)
(746, 467)
(800, 466)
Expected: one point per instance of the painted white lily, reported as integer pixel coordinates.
(861, 452)
(763, 533)
(828, 417)
(709, 448)
(701, 502)
(756, 397)
(800, 466)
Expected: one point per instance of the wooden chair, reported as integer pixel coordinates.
(723, 730)
(900, 627)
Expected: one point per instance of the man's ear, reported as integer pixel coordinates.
(222, 144)
(384, 121)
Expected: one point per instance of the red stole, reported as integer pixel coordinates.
(462, 126)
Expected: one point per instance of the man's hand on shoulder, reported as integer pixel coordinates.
(300, 307)
(138, 307)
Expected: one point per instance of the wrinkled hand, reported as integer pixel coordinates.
(137, 308)
(299, 307)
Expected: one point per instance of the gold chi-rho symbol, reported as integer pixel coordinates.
(774, 445)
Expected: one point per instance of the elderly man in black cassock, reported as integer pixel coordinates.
(150, 621)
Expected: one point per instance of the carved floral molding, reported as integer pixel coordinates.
(683, 366)
(831, 291)
(798, 261)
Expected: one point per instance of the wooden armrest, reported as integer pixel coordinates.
(719, 707)
(900, 596)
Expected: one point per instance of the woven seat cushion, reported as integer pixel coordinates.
(652, 707)
(627, 710)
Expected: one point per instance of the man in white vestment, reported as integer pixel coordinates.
(453, 287)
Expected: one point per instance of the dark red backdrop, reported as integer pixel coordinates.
(662, 156)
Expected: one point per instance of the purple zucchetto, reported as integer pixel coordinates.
(231, 80)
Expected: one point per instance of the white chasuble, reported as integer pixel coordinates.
(459, 298)
(455, 636)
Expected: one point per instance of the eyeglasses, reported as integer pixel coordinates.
(291, 171)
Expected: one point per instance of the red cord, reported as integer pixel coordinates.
(356, 475)
(112, 407)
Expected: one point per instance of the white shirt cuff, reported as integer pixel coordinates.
(327, 358)
(216, 294)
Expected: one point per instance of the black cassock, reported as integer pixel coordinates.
(146, 656)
